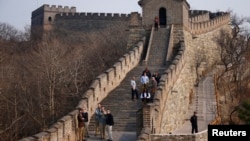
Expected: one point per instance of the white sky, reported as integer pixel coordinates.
(18, 12)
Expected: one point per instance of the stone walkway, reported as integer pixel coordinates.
(117, 135)
(119, 100)
(204, 103)
(124, 109)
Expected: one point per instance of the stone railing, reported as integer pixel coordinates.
(145, 61)
(170, 46)
(66, 128)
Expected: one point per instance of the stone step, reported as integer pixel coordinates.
(119, 100)
(159, 48)
(122, 107)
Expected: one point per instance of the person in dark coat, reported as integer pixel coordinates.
(85, 115)
(81, 129)
(148, 73)
(193, 121)
(157, 77)
(110, 124)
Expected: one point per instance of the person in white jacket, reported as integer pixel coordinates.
(134, 91)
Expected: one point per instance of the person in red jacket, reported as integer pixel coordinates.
(156, 23)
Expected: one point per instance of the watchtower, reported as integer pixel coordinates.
(45, 15)
(168, 11)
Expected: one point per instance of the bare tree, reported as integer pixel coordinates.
(49, 75)
(233, 47)
(199, 58)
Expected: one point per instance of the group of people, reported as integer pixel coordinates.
(103, 120)
(149, 85)
(103, 117)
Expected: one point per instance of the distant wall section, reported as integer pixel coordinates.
(92, 21)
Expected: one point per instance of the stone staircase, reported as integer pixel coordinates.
(159, 48)
(119, 100)
(120, 103)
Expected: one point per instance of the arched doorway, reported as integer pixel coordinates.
(163, 16)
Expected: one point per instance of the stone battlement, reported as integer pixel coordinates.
(93, 16)
(206, 26)
(53, 8)
(193, 13)
(199, 16)
(59, 8)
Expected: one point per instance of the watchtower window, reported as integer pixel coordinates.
(49, 19)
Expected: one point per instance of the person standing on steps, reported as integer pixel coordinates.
(145, 96)
(134, 90)
(81, 129)
(86, 122)
(153, 86)
(148, 73)
(110, 124)
(194, 124)
(144, 81)
(157, 77)
(156, 23)
(103, 122)
(97, 119)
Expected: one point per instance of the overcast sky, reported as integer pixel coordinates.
(18, 12)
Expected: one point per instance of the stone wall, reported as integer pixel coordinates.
(210, 25)
(170, 107)
(171, 100)
(175, 13)
(45, 15)
(89, 22)
(201, 136)
(65, 129)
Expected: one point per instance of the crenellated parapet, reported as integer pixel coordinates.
(202, 27)
(198, 16)
(59, 9)
(49, 17)
(44, 16)
(193, 13)
(94, 16)
(53, 8)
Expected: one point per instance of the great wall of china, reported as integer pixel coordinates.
(188, 34)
